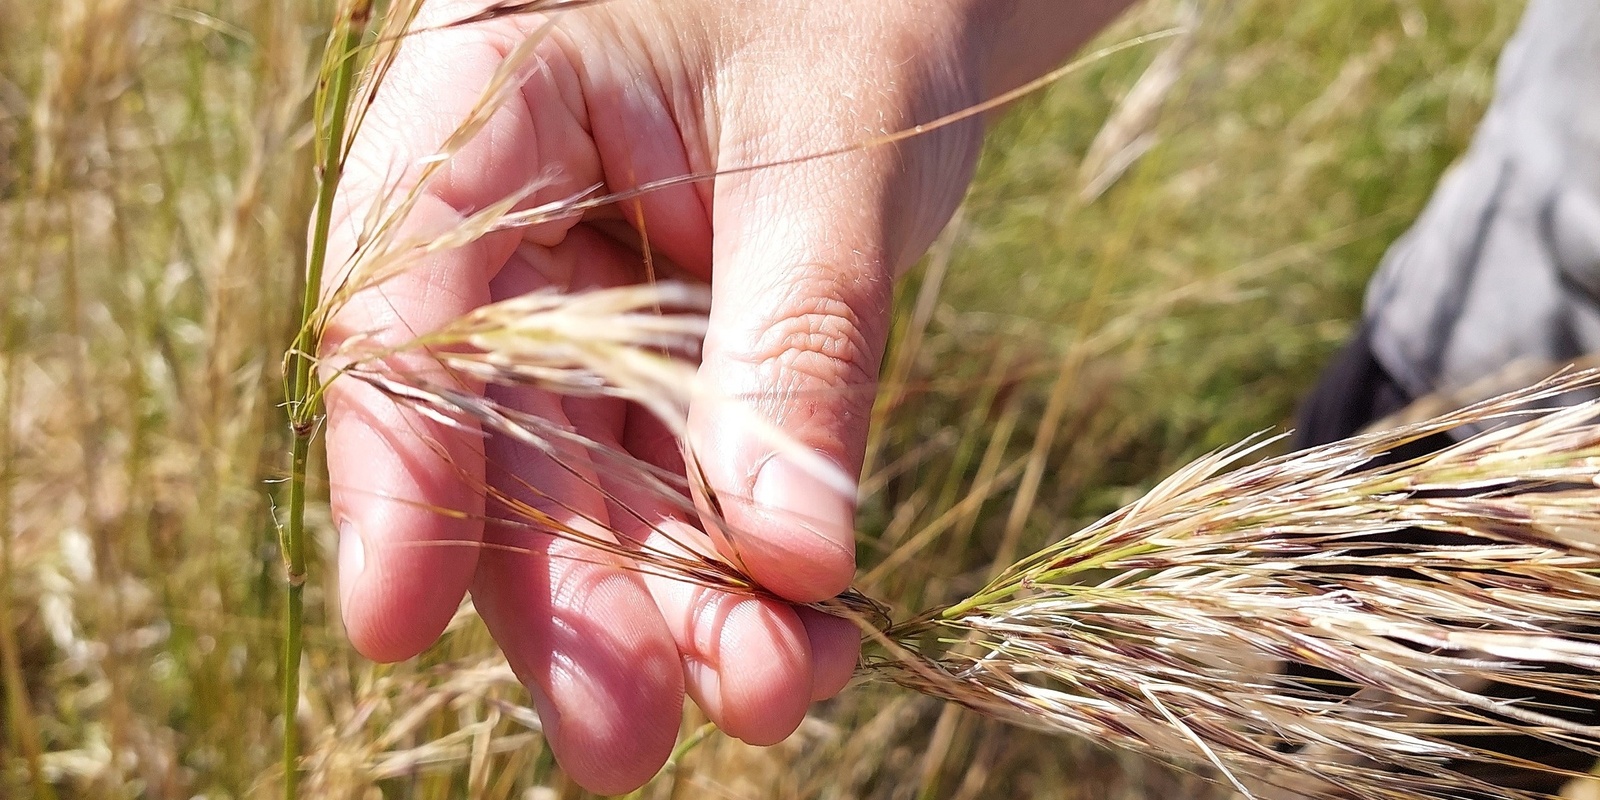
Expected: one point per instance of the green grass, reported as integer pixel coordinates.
(155, 182)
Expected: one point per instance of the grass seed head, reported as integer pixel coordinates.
(1169, 626)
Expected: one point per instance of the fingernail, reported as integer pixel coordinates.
(352, 559)
(796, 496)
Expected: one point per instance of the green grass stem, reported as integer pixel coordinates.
(304, 406)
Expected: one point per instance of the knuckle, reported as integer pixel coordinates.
(817, 338)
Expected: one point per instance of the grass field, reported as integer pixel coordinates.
(1138, 276)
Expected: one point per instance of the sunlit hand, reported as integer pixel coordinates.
(801, 260)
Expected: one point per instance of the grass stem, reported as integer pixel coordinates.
(304, 406)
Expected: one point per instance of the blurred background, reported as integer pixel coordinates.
(1158, 255)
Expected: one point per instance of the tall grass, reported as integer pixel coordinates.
(149, 254)
(154, 237)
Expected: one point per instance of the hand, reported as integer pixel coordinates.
(801, 259)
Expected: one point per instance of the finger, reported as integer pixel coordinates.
(747, 662)
(577, 625)
(835, 651)
(753, 665)
(642, 120)
(585, 638)
(404, 565)
(805, 257)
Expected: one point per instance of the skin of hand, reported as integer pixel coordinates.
(801, 260)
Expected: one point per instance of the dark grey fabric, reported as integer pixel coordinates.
(1503, 266)
(1352, 392)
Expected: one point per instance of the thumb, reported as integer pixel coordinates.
(804, 258)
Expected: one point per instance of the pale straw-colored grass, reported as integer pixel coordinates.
(1165, 625)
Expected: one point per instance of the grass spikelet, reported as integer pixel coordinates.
(1165, 626)
(612, 343)
(634, 343)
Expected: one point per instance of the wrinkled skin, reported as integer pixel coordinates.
(801, 260)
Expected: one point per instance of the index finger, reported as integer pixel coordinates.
(404, 565)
